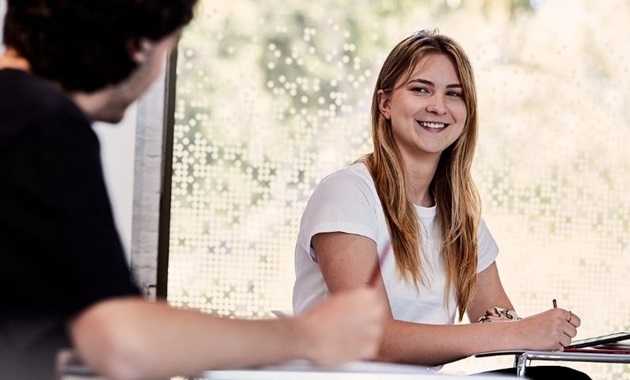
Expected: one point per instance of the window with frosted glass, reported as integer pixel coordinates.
(272, 96)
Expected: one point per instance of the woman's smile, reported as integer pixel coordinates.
(431, 125)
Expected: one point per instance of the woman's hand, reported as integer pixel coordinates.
(550, 330)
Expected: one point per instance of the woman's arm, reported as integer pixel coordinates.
(346, 261)
(489, 293)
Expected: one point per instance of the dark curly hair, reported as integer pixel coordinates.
(83, 44)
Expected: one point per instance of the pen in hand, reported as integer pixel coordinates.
(555, 306)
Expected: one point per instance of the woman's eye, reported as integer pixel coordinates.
(454, 94)
(422, 90)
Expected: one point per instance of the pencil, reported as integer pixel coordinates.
(555, 304)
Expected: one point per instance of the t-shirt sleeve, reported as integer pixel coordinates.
(342, 202)
(488, 248)
(65, 249)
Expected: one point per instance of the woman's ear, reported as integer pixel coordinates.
(383, 104)
(139, 49)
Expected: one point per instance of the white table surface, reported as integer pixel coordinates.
(356, 370)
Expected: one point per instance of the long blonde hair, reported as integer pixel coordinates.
(452, 187)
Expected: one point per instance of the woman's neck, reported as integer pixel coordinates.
(419, 177)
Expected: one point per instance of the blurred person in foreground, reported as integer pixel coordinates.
(412, 206)
(63, 274)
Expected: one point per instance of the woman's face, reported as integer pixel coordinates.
(427, 110)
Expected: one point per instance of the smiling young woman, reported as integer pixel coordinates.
(414, 194)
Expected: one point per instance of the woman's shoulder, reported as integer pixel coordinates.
(482, 227)
(351, 182)
(356, 173)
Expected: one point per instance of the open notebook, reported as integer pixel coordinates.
(614, 343)
(600, 340)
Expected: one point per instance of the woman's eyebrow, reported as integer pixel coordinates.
(429, 83)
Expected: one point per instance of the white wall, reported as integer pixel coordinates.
(3, 8)
(118, 149)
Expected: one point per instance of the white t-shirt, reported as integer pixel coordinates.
(346, 201)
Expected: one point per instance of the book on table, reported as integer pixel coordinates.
(614, 343)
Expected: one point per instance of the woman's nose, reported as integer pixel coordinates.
(436, 105)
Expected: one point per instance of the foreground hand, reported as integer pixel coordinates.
(347, 327)
(549, 330)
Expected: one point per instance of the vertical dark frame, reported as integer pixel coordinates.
(166, 175)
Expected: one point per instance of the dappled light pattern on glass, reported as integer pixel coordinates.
(272, 96)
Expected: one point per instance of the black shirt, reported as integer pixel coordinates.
(59, 248)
